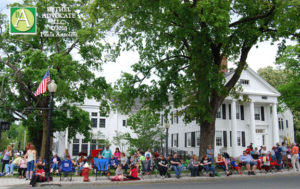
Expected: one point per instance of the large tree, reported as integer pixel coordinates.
(181, 44)
(25, 59)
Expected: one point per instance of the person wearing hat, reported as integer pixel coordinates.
(9, 168)
(147, 164)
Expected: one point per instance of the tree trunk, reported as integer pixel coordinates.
(44, 137)
(207, 136)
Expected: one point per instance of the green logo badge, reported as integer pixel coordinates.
(22, 21)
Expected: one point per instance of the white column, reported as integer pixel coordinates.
(66, 137)
(275, 124)
(233, 128)
(252, 123)
(268, 134)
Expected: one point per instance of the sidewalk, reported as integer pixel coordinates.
(78, 181)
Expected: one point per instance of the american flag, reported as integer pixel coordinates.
(43, 85)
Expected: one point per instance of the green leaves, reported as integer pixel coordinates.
(146, 130)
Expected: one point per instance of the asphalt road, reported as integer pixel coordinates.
(274, 182)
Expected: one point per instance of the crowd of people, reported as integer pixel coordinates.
(143, 163)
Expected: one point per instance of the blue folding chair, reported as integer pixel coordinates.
(101, 166)
(66, 169)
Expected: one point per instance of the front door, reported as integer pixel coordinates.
(259, 138)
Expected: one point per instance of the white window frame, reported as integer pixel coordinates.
(219, 138)
(219, 113)
(238, 111)
(189, 139)
(197, 137)
(257, 113)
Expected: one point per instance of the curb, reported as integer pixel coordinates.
(152, 180)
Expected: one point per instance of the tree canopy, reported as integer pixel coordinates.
(183, 45)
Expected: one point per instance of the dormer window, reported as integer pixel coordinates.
(244, 81)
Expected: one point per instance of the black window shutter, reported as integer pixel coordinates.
(243, 139)
(224, 111)
(177, 139)
(225, 138)
(287, 123)
(172, 140)
(229, 109)
(185, 139)
(262, 113)
(230, 136)
(193, 139)
(242, 112)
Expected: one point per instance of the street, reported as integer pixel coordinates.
(262, 182)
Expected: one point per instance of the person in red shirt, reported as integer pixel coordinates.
(39, 175)
(133, 174)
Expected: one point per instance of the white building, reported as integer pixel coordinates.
(237, 124)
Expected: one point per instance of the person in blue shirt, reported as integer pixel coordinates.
(278, 154)
(113, 162)
(107, 152)
(247, 160)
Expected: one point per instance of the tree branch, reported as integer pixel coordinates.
(254, 18)
(19, 79)
(71, 47)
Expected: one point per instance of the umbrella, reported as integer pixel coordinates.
(82, 154)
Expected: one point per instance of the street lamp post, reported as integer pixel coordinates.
(167, 126)
(52, 89)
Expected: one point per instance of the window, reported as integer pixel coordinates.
(260, 131)
(244, 81)
(198, 138)
(287, 123)
(229, 111)
(239, 137)
(162, 119)
(94, 114)
(102, 123)
(176, 117)
(264, 97)
(280, 123)
(219, 138)
(124, 123)
(237, 111)
(224, 111)
(219, 113)
(94, 122)
(84, 148)
(257, 113)
(75, 149)
(174, 138)
(172, 116)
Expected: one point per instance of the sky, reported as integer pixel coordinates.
(260, 57)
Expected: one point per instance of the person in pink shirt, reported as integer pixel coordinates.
(22, 167)
(117, 154)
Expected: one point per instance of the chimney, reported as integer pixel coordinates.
(223, 65)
